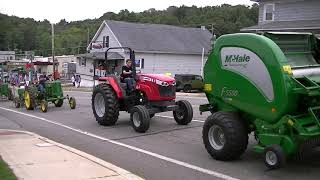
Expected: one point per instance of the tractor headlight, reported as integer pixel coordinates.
(161, 83)
(174, 83)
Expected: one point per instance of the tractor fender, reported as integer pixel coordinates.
(147, 91)
(112, 81)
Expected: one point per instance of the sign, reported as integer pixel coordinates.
(249, 65)
(97, 46)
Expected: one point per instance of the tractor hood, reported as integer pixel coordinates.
(160, 77)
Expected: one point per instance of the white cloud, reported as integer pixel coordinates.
(73, 10)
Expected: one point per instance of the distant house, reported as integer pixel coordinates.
(287, 15)
(66, 65)
(159, 48)
(7, 55)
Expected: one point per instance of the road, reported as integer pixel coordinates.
(166, 151)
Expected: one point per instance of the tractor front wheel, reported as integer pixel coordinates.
(224, 136)
(17, 103)
(274, 157)
(58, 103)
(140, 118)
(105, 105)
(44, 106)
(72, 103)
(184, 113)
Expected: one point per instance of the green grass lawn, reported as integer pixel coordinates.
(5, 172)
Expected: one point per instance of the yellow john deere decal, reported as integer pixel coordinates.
(287, 69)
(208, 87)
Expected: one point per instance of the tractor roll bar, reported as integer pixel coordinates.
(132, 57)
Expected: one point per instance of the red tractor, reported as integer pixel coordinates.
(153, 93)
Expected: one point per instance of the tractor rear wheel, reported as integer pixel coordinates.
(224, 136)
(29, 99)
(44, 106)
(58, 103)
(140, 118)
(105, 105)
(184, 114)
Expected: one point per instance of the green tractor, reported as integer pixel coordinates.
(52, 93)
(268, 85)
(4, 84)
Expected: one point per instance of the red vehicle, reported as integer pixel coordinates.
(153, 93)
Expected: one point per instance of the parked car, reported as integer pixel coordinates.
(188, 82)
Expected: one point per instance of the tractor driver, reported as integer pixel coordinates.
(127, 74)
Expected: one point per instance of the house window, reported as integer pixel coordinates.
(139, 63)
(268, 14)
(82, 62)
(105, 43)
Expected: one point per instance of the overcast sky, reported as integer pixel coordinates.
(72, 10)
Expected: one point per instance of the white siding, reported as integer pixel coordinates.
(291, 10)
(170, 63)
(113, 42)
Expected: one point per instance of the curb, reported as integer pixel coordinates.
(118, 170)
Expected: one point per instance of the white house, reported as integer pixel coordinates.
(287, 15)
(158, 48)
(7, 55)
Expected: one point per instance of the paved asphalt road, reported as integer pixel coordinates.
(166, 151)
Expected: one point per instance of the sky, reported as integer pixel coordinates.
(73, 10)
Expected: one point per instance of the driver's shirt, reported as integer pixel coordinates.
(126, 69)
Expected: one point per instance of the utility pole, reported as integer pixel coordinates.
(52, 44)
(212, 29)
(88, 36)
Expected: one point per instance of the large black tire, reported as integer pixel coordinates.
(140, 118)
(107, 115)
(187, 88)
(58, 103)
(184, 114)
(29, 99)
(274, 157)
(231, 137)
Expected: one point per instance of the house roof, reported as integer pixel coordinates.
(158, 38)
(101, 55)
(286, 25)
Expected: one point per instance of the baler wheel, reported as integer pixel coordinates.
(105, 105)
(274, 157)
(140, 118)
(225, 136)
(184, 114)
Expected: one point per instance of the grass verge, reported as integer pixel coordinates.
(5, 172)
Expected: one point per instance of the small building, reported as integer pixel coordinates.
(66, 65)
(287, 15)
(7, 55)
(158, 48)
